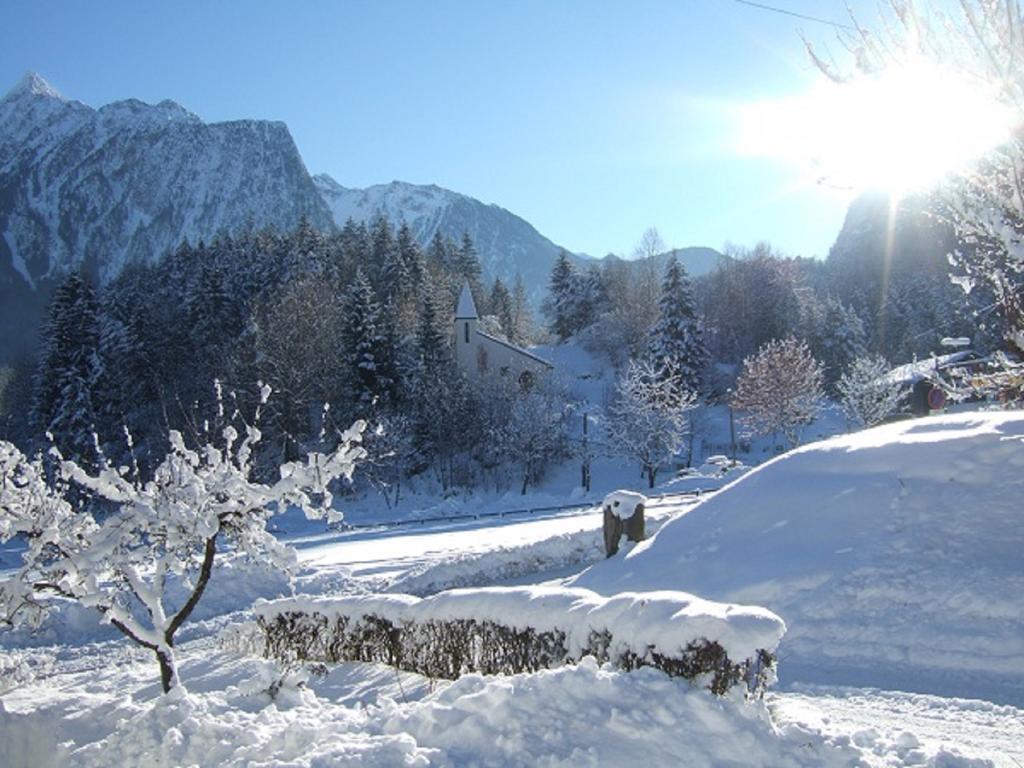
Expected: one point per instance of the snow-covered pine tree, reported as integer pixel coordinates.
(439, 258)
(467, 268)
(676, 341)
(368, 351)
(562, 297)
(780, 388)
(867, 393)
(214, 322)
(647, 421)
(500, 305)
(68, 370)
(384, 271)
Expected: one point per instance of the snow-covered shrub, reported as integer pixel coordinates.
(780, 388)
(146, 565)
(868, 395)
(511, 630)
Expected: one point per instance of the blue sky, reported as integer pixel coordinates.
(592, 120)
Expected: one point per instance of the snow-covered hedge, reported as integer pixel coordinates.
(507, 630)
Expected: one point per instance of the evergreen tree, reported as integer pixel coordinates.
(561, 302)
(438, 257)
(676, 342)
(68, 369)
(385, 270)
(467, 268)
(500, 305)
(369, 350)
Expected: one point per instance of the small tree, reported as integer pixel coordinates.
(780, 388)
(867, 395)
(535, 434)
(164, 530)
(648, 420)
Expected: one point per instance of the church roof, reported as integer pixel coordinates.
(467, 308)
(513, 347)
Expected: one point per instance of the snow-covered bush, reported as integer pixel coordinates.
(867, 394)
(780, 388)
(507, 630)
(647, 421)
(164, 531)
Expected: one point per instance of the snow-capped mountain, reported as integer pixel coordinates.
(99, 188)
(507, 244)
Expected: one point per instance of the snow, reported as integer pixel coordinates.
(91, 699)
(893, 555)
(368, 715)
(623, 504)
(33, 84)
(663, 622)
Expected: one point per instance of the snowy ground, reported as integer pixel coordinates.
(78, 695)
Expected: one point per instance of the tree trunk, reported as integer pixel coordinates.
(168, 672)
(651, 472)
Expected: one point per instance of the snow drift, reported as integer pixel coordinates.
(894, 555)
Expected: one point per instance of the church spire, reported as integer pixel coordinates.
(467, 307)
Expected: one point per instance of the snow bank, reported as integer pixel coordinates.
(528, 628)
(367, 715)
(893, 554)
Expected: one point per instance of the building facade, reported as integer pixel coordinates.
(481, 355)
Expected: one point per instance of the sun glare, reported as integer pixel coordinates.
(899, 131)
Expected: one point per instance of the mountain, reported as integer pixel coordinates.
(696, 260)
(507, 244)
(81, 187)
(96, 189)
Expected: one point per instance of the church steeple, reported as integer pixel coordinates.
(467, 307)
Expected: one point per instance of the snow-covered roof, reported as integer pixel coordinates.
(467, 307)
(510, 345)
(911, 373)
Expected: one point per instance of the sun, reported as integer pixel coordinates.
(898, 131)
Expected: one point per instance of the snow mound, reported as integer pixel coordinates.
(623, 504)
(893, 554)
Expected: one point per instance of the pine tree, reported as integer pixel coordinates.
(438, 257)
(384, 271)
(676, 342)
(561, 292)
(500, 305)
(370, 355)
(467, 268)
(68, 369)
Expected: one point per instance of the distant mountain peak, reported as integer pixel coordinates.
(33, 84)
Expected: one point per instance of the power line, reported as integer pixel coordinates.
(805, 17)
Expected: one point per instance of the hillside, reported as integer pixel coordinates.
(893, 555)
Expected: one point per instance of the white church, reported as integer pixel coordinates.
(481, 355)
